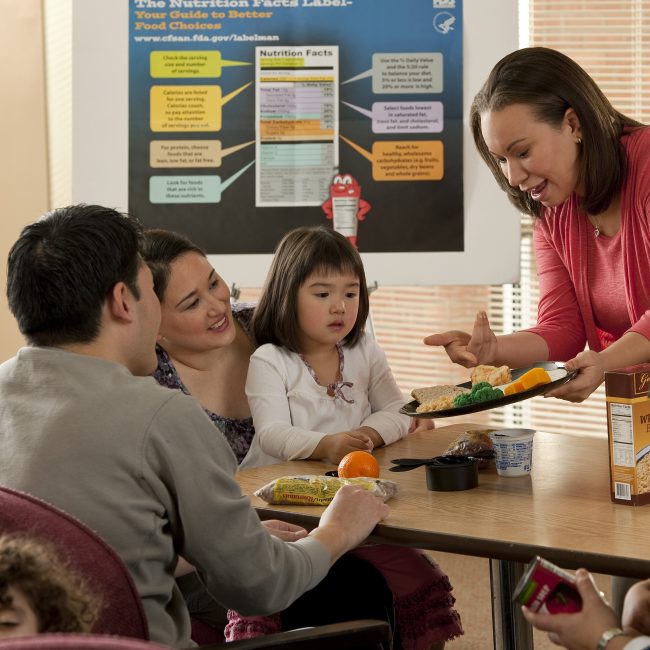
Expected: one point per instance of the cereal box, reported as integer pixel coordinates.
(628, 426)
(548, 589)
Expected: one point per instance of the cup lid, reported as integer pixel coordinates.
(511, 433)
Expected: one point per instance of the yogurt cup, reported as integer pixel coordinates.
(513, 451)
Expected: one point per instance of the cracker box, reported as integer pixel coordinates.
(548, 589)
(628, 427)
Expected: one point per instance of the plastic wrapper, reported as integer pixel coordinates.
(475, 443)
(316, 490)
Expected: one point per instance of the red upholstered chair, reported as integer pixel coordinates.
(78, 642)
(86, 552)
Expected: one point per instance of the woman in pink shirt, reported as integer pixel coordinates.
(564, 155)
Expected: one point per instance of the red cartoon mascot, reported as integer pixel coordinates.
(345, 206)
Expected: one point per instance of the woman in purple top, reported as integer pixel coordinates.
(204, 343)
(238, 429)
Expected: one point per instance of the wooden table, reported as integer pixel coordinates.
(562, 511)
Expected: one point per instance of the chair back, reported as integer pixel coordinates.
(77, 642)
(85, 552)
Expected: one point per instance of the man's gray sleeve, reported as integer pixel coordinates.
(190, 466)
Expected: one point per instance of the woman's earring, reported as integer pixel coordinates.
(579, 141)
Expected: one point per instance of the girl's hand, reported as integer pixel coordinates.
(591, 374)
(636, 608)
(466, 350)
(582, 630)
(333, 447)
(284, 531)
(421, 424)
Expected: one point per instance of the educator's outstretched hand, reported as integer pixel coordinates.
(468, 350)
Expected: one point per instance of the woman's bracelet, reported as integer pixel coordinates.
(607, 636)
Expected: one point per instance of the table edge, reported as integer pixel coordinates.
(493, 550)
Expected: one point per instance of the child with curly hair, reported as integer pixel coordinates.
(39, 593)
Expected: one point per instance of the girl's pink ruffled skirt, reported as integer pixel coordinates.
(422, 596)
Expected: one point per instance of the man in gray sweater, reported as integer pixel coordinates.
(83, 426)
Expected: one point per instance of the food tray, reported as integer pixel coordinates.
(555, 369)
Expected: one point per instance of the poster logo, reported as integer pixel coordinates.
(443, 22)
(444, 4)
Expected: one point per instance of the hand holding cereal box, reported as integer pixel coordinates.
(547, 589)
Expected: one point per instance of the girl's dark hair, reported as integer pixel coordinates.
(550, 82)
(160, 249)
(301, 253)
(61, 600)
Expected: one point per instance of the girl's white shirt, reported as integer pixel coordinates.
(292, 413)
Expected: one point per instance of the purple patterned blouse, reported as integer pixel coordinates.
(239, 433)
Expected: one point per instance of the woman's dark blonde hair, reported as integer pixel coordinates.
(551, 83)
(60, 599)
(301, 253)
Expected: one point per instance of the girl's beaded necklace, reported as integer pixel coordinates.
(334, 389)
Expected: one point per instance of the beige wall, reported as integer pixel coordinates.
(23, 135)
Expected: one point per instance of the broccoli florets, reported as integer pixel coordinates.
(486, 394)
(481, 392)
(464, 399)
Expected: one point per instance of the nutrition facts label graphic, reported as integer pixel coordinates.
(296, 117)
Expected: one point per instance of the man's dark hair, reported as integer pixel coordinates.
(63, 266)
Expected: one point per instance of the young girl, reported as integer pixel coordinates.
(38, 593)
(319, 388)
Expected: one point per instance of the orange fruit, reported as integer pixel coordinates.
(358, 463)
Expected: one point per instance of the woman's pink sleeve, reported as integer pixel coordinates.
(640, 205)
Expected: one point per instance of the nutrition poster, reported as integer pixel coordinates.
(250, 117)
